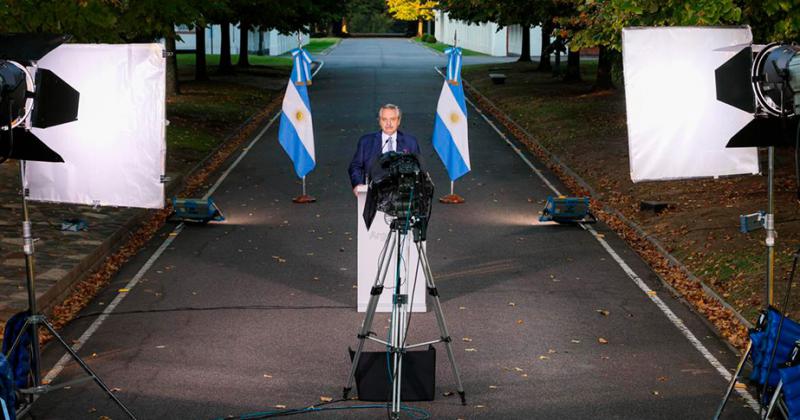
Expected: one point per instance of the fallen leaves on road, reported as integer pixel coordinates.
(722, 318)
(602, 312)
(86, 290)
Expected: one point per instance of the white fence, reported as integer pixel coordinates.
(485, 37)
(258, 42)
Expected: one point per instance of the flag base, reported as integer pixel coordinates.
(304, 199)
(452, 199)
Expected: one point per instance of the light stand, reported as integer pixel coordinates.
(36, 319)
(771, 235)
(396, 345)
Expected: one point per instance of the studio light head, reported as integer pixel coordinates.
(773, 94)
(13, 88)
(776, 79)
(401, 189)
(26, 91)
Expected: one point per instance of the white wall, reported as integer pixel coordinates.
(279, 44)
(273, 42)
(483, 38)
(515, 40)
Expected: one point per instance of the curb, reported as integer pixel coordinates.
(674, 262)
(327, 51)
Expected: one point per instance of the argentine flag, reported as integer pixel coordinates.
(450, 127)
(296, 132)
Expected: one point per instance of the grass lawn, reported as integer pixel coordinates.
(204, 114)
(438, 46)
(187, 60)
(317, 45)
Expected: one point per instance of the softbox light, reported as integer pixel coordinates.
(678, 127)
(114, 154)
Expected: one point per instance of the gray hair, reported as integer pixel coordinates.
(390, 106)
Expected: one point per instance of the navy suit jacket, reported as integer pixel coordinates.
(369, 149)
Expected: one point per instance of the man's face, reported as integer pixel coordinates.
(389, 120)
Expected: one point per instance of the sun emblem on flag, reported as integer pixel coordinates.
(454, 118)
(299, 116)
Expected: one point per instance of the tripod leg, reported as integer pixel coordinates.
(87, 369)
(774, 400)
(18, 338)
(375, 294)
(732, 382)
(437, 309)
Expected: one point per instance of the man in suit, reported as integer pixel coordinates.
(372, 145)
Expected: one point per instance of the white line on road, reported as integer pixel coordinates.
(62, 362)
(751, 402)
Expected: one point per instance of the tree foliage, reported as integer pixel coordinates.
(368, 16)
(600, 22)
(412, 10)
(772, 20)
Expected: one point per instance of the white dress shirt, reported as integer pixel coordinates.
(388, 145)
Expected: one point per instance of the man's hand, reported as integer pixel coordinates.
(355, 189)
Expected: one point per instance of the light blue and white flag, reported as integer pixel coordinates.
(296, 132)
(450, 128)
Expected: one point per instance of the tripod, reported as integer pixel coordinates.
(35, 319)
(399, 229)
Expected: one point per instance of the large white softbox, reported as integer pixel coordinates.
(676, 126)
(114, 154)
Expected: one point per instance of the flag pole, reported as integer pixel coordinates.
(304, 198)
(452, 198)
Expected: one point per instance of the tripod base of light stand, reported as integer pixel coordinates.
(40, 389)
(304, 199)
(452, 199)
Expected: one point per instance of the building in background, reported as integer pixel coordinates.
(258, 42)
(485, 37)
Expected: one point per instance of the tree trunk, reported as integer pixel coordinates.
(525, 53)
(200, 72)
(604, 64)
(544, 57)
(557, 67)
(225, 66)
(244, 59)
(573, 73)
(172, 65)
(419, 28)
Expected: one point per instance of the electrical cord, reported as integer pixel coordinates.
(415, 412)
(214, 308)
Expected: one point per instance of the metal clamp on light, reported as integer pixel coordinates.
(563, 209)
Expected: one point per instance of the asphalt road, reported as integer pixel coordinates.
(259, 311)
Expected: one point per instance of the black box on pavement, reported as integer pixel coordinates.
(418, 381)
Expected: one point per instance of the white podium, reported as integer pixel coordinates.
(370, 243)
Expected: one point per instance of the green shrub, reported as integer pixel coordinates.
(429, 38)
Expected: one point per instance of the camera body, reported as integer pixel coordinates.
(401, 189)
